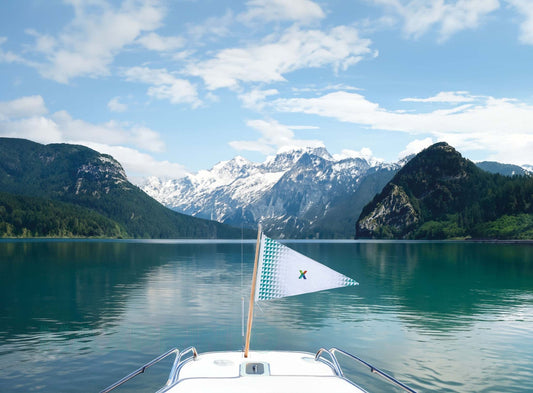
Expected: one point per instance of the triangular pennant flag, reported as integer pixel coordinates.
(284, 272)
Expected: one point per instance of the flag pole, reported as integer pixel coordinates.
(252, 295)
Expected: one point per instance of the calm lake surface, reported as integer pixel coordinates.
(75, 316)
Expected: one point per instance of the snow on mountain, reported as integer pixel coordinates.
(528, 168)
(286, 193)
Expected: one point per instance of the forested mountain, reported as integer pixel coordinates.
(23, 216)
(65, 190)
(76, 191)
(440, 195)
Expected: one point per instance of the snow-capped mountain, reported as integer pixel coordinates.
(289, 193)
(528, 168)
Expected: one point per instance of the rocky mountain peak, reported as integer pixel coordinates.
(287, 157)
(287, 192)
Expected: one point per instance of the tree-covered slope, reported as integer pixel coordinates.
(23, 216)
(439, 195)
(81, 176)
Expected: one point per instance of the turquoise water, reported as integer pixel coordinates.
(77, 315)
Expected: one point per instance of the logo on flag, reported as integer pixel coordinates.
(275, 275)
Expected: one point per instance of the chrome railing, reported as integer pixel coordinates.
(178, 362)
(181, 359)
(334, 363)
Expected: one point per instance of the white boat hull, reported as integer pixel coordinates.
(260, 372)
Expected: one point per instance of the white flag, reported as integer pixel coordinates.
(284, 272)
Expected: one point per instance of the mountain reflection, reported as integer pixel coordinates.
(60, 286)
(434, 286)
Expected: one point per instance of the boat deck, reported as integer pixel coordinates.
(261, 372)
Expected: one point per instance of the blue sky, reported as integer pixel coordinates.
(170, 87)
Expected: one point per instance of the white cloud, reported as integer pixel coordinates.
(415, 147)
(115, 105)
(494, 125)
(88, 45)
(153, 41)
(137, 164)
(448, 16)
(165, 86)
(525, 7)
(304, 11)
(27, 118)
(112, 133)
(311, 88)
(278, 55)
(36, 128)
(445, 96)
(274, 136)
(10, 57)
(22, 107)
(212, 28)
(255, 99)
(365, 153)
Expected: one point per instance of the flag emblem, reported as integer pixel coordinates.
(275, 275)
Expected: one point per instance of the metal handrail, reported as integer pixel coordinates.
(141, 370)
(334, 363)
(178, 362)
(373, 369)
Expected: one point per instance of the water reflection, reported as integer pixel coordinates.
(435, 287)
(53, 286)
(428, 311)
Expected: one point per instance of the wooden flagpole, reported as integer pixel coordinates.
(252, 295)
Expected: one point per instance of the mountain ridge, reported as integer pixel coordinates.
(79, 176)
(439, 194)
(290, 193)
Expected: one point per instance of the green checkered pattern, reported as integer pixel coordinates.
(269, 285)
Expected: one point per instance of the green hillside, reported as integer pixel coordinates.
(23, 216)
(440, 195)
(79, 176)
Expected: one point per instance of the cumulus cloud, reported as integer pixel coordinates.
(365, 153)
(165, 86)
(10, 57)
(445, 96)
(447, 16)
(153, 41)
(274, 136)
(28, 118)
(212, 28)
(304, 11)
(494, 124)
(525, 8)
(295, 49)
(255, 98)
(111, 132)
(415, 147)
(138, 165)
(23, 107)
(88, 45)
(114, 105)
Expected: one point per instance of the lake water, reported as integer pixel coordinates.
(75, 316)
